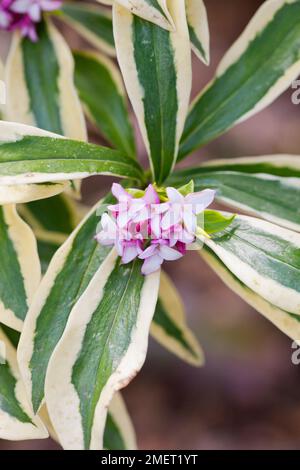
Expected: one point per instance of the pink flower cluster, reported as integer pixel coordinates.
(23, 15)
(149, 229)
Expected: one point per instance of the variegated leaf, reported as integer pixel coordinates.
(70, 272)
(156, 67)
(264, 257)
(286, 322)
(31, 155)
(47, 249)
(16, 419)
(40, 85)
(22, 193)
(266, 186)
(20, 267)
(97, 76)
(116, 309)
(119, 433)
(198, 28)
(12, 335)
(155, 11)
(169, 326)
(92, 22)
(260, 65)
(52, 220)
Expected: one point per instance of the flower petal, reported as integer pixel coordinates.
(104, 239)
(155, 223)
(129, 253)
(175, 196)
(20, 6)
(151, 196)
(123, 218)
(201, 199)
(150, 251)
(35, 12)
(119, 192)
(151, 264)
(50, 5)
(169, 254)
(172, 217)
(139, 213)
(189, 219)
(160, 208)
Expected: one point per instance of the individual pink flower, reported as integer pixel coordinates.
(127, 244)
(184, 209)
(130, 209)
(158, 252)
(5, 16)
(23, 15)
(177, 233)
(34, 8)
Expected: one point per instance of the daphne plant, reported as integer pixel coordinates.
(78, 334)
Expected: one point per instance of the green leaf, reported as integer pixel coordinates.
(158, 87)
(40, 85)
(216, 222)
(198, 29)
(265, 257)
(55, 215)
(187, 188)
(46, 250)
(169, 326)
(254, 72)
(92, 22)
(103, 346)
(19, 267)
(101, 91)
(264, 186)
(16, 420)
(286, 322)
(52, 220)
(112, 440)
(30, 155)
(70, 272)
(12, 335)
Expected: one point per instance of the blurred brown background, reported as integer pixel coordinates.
(247, 395)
